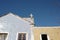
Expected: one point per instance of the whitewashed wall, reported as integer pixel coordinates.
(10, 23)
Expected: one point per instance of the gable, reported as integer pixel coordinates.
(13, 24)
(12, 17)
(12, 21)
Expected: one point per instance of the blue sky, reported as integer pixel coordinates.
(45, 12)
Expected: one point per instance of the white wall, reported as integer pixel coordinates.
(12, 24)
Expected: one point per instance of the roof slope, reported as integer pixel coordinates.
(11, 14)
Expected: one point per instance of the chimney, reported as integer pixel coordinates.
(32, 19)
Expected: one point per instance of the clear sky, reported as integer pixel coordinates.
(45, 12)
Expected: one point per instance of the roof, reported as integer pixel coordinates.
(24, 19)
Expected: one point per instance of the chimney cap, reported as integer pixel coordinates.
(31, 15)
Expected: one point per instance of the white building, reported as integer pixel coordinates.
(12, 25)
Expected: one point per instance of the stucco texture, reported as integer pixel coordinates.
(53, 33)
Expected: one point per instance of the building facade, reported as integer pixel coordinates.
(46, 33)
(13, 27)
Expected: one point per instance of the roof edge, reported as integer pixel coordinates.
(18, 17)
(48, 27)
